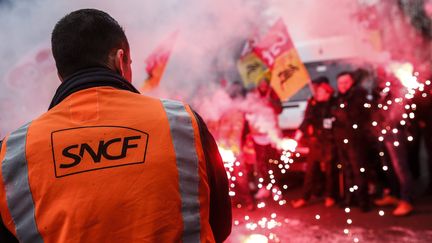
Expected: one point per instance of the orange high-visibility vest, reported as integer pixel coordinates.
(107, 165)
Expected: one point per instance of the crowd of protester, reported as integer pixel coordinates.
(363, 146)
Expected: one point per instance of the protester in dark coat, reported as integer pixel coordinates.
(317, 128)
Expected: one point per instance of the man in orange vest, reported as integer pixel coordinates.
(106, 164)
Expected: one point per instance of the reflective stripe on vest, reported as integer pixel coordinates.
(18, 195)
(183, 137)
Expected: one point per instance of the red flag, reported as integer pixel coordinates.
(278, 52)
(274, 44)
(157, 61)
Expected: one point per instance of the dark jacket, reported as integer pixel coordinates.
(318, 121)
(351, 116)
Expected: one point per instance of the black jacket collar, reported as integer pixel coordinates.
(90, 78)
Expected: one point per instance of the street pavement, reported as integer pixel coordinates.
(316, 223)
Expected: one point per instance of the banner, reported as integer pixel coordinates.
(277, 51)
(157, 61)
(251, 70)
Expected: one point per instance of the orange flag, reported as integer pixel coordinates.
(156, 62)
(277, 51)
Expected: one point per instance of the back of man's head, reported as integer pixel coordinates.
(86, 38)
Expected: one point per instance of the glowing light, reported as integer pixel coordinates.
(346, 231)
(342, 106)
(339, 166)
(355, 187)
(385, 108)
(413, 106)
(288, 144)
(317, 217)
(355, 126)
(381, 213)
(385, 168)
(351, 189)
(227, 155)
(410, 138)
(381, 153)
(405, 116)
(273, 215)
(356, 240)
(347, 210)
(381, 138)
(383, 131)
(428, 82)
(261, 205)
(251, 226)
(403, 122)
(411, 115)
(256, 238)
(345, 141)
(387, 83)
(231, 193)
(407, 107)
(349, 221)
(396, 143)
(236, 222)
(404, 72)
(395, 130)
(362, 170)
(389, 102)
(285, 187)
(424, 95)
(374, 123)
(246, 217)
(409, 96)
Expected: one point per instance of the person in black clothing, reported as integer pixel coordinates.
(423, 100)
(393, 132)
(317, 128)
(349, 129)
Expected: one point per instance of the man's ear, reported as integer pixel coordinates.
(119, 61)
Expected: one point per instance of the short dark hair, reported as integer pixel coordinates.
(320, 80)
(85, 38)
(345, 73)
